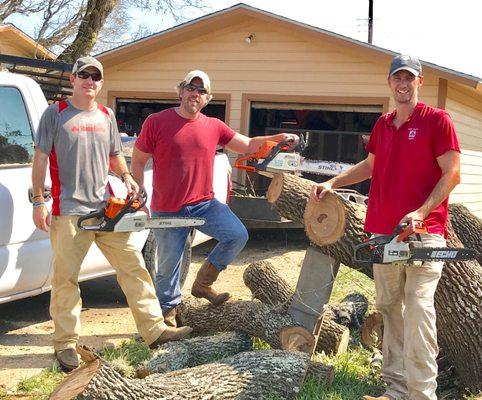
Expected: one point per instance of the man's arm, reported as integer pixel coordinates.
(118, 166)
(357, 173)
(138, 164)
(242, 144)
(449, 163)
(39, 170)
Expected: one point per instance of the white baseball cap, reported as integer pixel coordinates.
(201, 75)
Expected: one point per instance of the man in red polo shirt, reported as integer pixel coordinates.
(414, 163)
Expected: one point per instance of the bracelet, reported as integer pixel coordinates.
(38, 204)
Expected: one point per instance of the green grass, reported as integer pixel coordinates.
(126, 357)
(40, 386)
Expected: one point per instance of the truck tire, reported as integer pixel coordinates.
(150, 256)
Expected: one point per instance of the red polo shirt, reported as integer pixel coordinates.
(183, 153)
(406, 169)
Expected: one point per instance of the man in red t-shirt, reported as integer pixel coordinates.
(414, 163)
(182, 143)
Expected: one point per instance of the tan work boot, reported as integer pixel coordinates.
(170, 317)
(170, 335)
(68, 359)
(202, 286)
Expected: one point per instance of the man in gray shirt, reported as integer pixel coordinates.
(79, 140)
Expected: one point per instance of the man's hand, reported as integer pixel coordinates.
(291, 138)
(319, 190)
(41, 218)
(131, 185)
(412, 216)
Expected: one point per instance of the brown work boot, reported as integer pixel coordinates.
(170, 317)
(202, 286)
(68, 359)
(377, 398)
(170, 335)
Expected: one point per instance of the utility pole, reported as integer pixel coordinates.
(370, 21)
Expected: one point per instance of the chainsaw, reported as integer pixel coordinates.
(280, 157)
(125, 215)
(404, 247)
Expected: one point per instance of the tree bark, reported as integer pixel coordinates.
(267, 285)
(187, 353)
(467, 227)
(94, 18)
(251, 375)
(256, 319)
(457, 299)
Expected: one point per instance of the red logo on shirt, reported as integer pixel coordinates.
(92, 128)
(412, 132)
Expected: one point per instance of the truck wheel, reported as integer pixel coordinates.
(150, 257)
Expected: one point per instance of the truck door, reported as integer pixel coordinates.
(24, 250)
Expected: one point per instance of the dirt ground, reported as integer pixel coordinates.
(26, 328)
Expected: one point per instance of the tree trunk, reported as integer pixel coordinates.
(187, 353)
(251, 375)
(467, 227)
(457, 299)
(267, 285)
(94, 18)
(256, 319)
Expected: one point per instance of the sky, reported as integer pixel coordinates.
(444, 32)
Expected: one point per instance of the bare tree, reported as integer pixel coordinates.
(74, 27)
(9, 7)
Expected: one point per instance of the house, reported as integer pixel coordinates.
(273, 74)
(15, 42)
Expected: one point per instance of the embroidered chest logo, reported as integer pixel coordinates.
(412, 132)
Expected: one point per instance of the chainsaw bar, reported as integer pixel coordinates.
(173, 222)
(320, 167)
(442, 254)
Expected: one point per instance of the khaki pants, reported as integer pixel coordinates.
(70, 245)
(405, 297)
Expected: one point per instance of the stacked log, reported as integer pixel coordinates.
(457, 299)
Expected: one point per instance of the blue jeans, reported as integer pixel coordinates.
(221, 224)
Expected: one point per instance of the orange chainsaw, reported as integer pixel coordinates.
(125, 215)
(405, 247)
(280, 157)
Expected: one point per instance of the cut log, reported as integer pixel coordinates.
(467, 227)
(457, 299)
(320, 372)
(324, 220)
(289, 194)
(187, 353)
(250, 375)
(371, 331)
(333, 338)
(297, 338)
(267, 285)
(256, 319)
(252, 317)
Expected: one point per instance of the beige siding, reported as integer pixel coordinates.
(465, 107)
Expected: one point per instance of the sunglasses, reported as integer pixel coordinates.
(96, 76)
(191, 88)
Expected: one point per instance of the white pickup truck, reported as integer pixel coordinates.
(25, 253)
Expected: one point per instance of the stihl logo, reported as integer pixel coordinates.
(444, 254)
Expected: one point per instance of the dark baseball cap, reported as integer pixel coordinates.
(407, 63)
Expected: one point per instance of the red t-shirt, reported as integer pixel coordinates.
(406, 169)
(183, 153)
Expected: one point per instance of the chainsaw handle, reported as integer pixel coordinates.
(93, 214)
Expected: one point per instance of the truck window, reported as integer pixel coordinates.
(16, 145)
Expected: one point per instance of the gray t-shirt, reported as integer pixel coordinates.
(79, 144)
